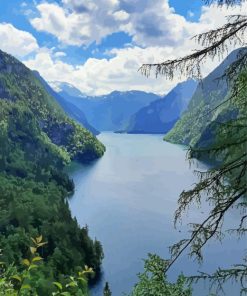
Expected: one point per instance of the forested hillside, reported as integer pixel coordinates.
(197, 125)
(37, 140)
(70, 109)
(111, 112)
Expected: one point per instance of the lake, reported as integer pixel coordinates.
(128, 199)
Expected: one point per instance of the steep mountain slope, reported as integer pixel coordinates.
(71, 110)
(197, 121)
(110, 112)
(37, 139)
(19, 85)
(161, 115)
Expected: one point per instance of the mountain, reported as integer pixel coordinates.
(109, 112)
(161, 115)
(70, 109)
(19, 86)
(197, 124)
(37, 140)
(67, 88)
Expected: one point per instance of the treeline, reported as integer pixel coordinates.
(36, 141)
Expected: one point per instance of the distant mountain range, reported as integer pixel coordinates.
(70, 109)
(197, 126)
(161, 115)
(110, 112)
(178, 114)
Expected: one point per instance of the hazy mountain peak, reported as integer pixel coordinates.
(66, 87)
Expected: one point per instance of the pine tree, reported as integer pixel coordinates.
(223, 186)
(107, 291)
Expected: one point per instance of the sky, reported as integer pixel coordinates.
(99, 45)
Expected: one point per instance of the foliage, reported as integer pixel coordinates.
(223, 186)
(19, 86)
(23, 281)
(210, 106)
(36, 142)
(107, 291)
(153, 282)
(215, 43)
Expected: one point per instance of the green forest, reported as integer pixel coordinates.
(37, 142)
(44, 250)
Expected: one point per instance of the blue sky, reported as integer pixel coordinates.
(99, 45)
(14, 12)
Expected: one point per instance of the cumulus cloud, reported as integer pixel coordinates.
(16, 42)
(59, 54)
(119, 72)
(150, 23)
(81, 22)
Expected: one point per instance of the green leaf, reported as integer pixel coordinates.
(32, 266)
(35, 259)
(26, 286)
(58, 285)
(33, 240)
(39, 239)
(41, 244)
(33, 250)
(17, 277)
(26, 262)
(72, 284)
(82, 279)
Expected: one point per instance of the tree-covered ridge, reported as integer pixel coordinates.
(36, 141)
(18, 83)
(195, 125)
(70, 109)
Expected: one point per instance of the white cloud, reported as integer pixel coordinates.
(59, 54)
(190, 13)
(80, 22)
(150, 23)
(102, 76)
(119, 72)
(23, 4)
(16, 42)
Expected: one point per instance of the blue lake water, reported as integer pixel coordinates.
(128, 199)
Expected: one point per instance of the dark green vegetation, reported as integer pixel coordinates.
(111, 112)
(23, 282)
(70, 109)
(153, 281)
(215, 128)
(223, 186)
(36, 141)
(161, 115)
(198, 124)
(107, 291)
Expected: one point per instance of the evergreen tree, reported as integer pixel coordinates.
(107, 291)
(223, 186)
